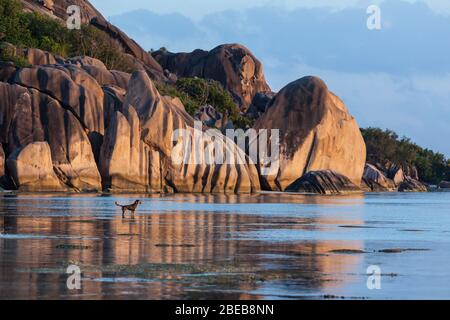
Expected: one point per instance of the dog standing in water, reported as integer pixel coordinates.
(130, 207)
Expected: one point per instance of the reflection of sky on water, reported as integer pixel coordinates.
(287, 239)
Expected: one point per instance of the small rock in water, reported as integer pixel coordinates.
(348, 251)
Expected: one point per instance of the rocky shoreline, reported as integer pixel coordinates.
(72, 125)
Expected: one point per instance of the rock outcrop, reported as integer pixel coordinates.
(58, 9)
(171, 132)
(212, 118)
(31, 168)
(126, 162)
(316, 133)
(376, 180)
(104, 77)
(74, 88)
(391, 177)
(233, 65)
(89, 15)
(39, 57)
(260, 103)
(324, 182)
(412, 185)
(396, 174)
(108, 130)
(444, 185)
(104, 129)
(29, 116)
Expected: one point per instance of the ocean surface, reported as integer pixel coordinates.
(267, 246)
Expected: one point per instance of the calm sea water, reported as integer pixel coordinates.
(268, 246)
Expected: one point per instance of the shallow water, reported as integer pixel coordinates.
(268, 246)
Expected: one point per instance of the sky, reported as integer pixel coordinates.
(397, 77)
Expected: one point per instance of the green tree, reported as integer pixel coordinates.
(196, 92)
(385, 146)
(33, 30)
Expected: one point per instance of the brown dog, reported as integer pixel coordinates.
(130, 207)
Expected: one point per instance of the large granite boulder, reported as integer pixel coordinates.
(126, 162)
(37, 57)
(100, 73)
(324, 182)
(233, 65)
(316, 133)
(376, 180)
(411, 171)
(31, 168)
(74, 88)
(29, 116)
(168, 129)
(396, 174)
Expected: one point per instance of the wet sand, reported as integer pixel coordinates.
(268, 246)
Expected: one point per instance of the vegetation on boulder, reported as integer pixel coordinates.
(385, 146)
(196, 92)
(33, 30)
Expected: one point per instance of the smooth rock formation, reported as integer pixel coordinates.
(396, 174)
(376, 180)
(33, 56)
(90, 15)
(411, 171)
(323, 182)
(29, 116)
(37, 57)
(100, 73)
(58, 9)
(233, 65)
(74, 88)
(126, 163)
(168, 130)
(316, 133)
(412, 185)
(31, 168)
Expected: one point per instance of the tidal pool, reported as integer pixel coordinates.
(266, 246)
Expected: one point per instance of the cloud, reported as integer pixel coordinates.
(416, 107)
(396, 78)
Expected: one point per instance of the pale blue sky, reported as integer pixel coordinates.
(198, 8)
(397, 78)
